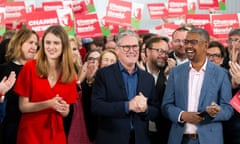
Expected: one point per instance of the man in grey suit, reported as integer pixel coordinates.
(195, 87)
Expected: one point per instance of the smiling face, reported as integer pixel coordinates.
(128, 51)
(157, 53)
(52, 46)
(29, 48)
(195, 47)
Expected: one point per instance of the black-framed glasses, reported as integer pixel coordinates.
(160, 50)
(127, 48)
(215, 56)
(233, 40)
(192, 42)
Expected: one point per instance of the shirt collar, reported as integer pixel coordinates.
(203, 67)
(122, 69)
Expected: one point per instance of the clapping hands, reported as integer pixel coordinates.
(138, 103)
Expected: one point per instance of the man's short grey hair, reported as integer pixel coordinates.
(125, 33)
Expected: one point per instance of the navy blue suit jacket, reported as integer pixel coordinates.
(108, 103)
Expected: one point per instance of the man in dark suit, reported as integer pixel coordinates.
(158, 65)
(123, 97)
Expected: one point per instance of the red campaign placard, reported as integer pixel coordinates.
(157, 10)
(192, 6)
(2, 20)
(167, 29)
(222, 23)
(198, 20)
(15, 12)
(52, 6)
(40, 21)
(235, 101)
(207, 4)
(177, 8)
(79, 7)
(87, 25)
(119, 13)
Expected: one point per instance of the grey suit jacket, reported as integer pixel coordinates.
(216, 87)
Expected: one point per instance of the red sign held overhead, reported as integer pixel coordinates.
(119, 13)
(177, 8)
(87, 25)
(39, 22)
(207, 4)
(223, 23)
(51, 6)
(157, 10)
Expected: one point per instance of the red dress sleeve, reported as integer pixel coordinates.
(23, 84)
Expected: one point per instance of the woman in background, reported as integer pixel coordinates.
(22, 48)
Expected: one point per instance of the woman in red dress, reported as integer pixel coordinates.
(46, 87)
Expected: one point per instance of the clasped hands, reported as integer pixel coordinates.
(138, 103)
(194, 117)
(60, 105)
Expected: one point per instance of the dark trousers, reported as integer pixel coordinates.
(132, 137)
(187, 140)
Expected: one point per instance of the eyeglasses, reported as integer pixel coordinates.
(127, 48)
(160, 50)
(192, 42)
(92, 58)
(178, 41)
(215, 56)
(233, 40)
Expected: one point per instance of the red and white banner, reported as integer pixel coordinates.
(198, 20)
(119, 13)
(39, 22)
(222, 24)
(207, 4)
(166, 29)
(177, 8)
(15, 12)
(157, 10)
(52, 6)
(87, 25)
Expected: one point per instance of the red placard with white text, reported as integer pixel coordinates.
(39, 22)
(87, 25)
(79, 7)
(157, 10)
(15, 12)
(207, 4)
(177, 8)
(198, 20)
(52, 6)
(167, 29)
(223, 23)
(119, 13)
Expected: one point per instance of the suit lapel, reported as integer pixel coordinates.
(183, 83)
(206, 83)
(119, 79)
